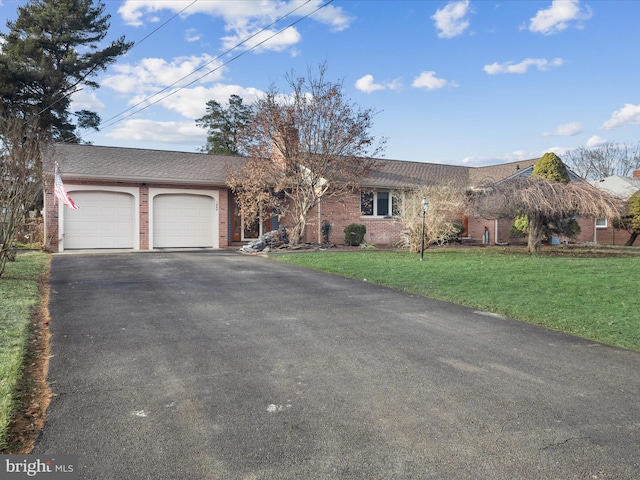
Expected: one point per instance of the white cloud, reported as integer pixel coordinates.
(191, 103)
(479, 161)
(514, 156)
(566, 130)
(262, 41)
(429, 81)
(522, 67)
(627, 115)
(192, 35)
(330, 15)
(558, 16)
(85, 100)
(159, 132)
(367, 84)
(242, 19)
(452, 20)
(152, 74)
(596, 141)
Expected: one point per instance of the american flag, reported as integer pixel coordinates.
(62, 194)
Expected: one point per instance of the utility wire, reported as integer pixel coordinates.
(160, 26)
(122, 114)
(135, 44)
(198, 69)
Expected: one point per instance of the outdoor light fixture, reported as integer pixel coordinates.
(425, 207)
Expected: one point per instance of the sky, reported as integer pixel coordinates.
(466, 82)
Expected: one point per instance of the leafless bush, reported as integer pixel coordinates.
(20, 177)
(446, 204)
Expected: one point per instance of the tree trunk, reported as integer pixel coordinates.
(632, 239)
(297, 231)
(536, 230)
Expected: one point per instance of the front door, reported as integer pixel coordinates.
(242, 229)
(236, 221)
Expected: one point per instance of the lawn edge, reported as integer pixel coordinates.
(33, 394)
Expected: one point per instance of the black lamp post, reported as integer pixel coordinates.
(425, 206)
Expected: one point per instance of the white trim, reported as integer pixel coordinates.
(374, 204)
(214, 194)
(606, 223)
(134, 191)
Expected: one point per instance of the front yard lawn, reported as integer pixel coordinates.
(21, 288)
(590, 295)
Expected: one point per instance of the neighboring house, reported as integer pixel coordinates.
(623, 188)
(144, 199)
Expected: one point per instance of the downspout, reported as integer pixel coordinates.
(495, 232)
(595, 230)
(613, 232)
(319, 221)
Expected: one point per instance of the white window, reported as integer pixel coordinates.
(378, 204)
(601, 223)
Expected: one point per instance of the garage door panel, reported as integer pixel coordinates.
(104, 220)
(183, 220)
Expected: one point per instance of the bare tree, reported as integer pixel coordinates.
(542, 200)
(310, 145)
(447, 203)
(604, 161)
(21, 148)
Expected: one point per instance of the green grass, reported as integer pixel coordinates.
(583, 293)
(19, 295)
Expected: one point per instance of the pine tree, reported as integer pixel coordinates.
(223, 125)
(50, 52)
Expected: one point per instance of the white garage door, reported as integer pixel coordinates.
(104, 220)
(183, 220)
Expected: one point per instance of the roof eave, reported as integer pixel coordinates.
(142, 179)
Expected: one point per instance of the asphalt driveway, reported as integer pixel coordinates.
(215, 365)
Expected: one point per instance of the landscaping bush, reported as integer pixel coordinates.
(520, 227)
(354, 234)
(457, 229)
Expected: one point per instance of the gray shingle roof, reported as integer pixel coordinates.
(133, 164)
(84, 162)
(398, 174)
(622, 187)
(494, 173)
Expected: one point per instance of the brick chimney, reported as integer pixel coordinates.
(285, 146)
(636, 174)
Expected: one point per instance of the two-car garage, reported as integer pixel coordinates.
(116, 218)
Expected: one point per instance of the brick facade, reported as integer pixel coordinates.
(589, 233)
(195, 171)
(344, 211)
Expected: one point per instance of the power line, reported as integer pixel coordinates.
(116, 118)
(160, 26)
(135, 44)
(197, 70)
